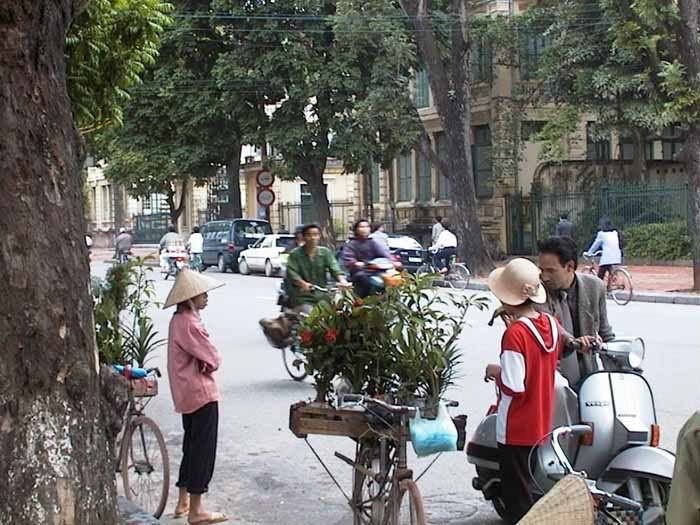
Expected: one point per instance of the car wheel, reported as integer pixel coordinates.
(243, 268)
(269, 270)
(221, 263)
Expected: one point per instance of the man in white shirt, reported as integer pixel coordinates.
(195, 245)
(444, 249)
(437, 229)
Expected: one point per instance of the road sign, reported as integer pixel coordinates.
(265, 178)
(266, 197)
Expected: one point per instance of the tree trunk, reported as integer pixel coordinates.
(451, 92)
(689, 48)
(175, 210)
(54, 455)
(233, 176)
(639, 163)
(118, 199)
(320, 205)
(368, 194)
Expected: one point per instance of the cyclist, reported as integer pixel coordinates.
(122, 245)
(307, 267)
(444, 249)
(609, 241)
(195, 246)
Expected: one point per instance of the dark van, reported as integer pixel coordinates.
(224, 240)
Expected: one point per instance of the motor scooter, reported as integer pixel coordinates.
(383, 273)
(176, 260)
(621, 452)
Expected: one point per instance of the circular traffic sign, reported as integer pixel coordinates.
(265, 178)
(266, 197)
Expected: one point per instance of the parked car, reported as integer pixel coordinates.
(403, 248)
(224, 240)
(266, 255)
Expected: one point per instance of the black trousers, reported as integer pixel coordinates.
(362, 284)
(515, 480)
(442, 258)
(603, 269)
(199, 448)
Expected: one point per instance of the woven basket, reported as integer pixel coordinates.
(568, 503)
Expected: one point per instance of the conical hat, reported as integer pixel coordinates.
(568, 503)
(189, 284)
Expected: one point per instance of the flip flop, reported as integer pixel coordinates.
(181, 514)
(214, 517)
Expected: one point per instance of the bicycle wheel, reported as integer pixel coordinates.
(294, 362)
(368, 495)
(411, 510)
(145, 467)
(459, 276)
(620, 286)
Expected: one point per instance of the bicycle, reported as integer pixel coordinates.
(618, 281)
(457, 275)
(292, 355)
(142, 457)
(384, 491)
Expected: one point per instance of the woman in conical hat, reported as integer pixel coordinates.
(192, 361)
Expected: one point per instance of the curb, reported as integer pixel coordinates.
(638, 297)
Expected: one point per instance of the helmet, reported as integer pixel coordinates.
(122, 230)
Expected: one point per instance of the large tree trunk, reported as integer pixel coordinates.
(690, 57)
(176, 209)
(118, 201)
(451, 92)
(233, 176)
(639, 162)
(56, 464)
(320, 204)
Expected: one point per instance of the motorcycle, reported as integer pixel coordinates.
(383, 273)
(176, 261)
(620, 452)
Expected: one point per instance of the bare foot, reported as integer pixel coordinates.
(203, 518)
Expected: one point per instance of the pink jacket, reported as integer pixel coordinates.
(192, 360)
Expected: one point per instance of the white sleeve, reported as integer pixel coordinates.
(513, 371)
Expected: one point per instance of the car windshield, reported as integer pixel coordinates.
(251, 230)
(404, 243)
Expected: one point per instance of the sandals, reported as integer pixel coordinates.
(181, 514)
(214, 517)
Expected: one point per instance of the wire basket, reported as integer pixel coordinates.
(145, 387)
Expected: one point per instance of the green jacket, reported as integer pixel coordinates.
(312, 270)
(684, 502)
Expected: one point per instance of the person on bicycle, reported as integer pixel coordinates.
(444, 249)
(192, 361)
(195, 247)
(609, 242)
(358, 252)
(307, 267)
(122, 245)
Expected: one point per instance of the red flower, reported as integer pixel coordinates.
(306, 337)
(331, 335)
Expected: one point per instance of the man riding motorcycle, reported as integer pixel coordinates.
(358, 252)
(306, 268)
(170, 242)
(122, 245)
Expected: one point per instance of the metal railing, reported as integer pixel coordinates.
(292, 215)
(534, 217)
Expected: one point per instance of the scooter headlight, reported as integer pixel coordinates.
(635, 355)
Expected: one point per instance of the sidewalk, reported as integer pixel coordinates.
(139, 250)
(652, 284)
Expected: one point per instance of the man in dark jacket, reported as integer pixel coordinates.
(577, 300)
(358, 252)
(565, 228)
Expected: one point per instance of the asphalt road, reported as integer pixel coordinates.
(266, 475)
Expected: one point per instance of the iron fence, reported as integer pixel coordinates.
(534, 217)
(296, 214)
(148, 229)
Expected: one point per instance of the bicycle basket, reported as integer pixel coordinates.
(145, 387)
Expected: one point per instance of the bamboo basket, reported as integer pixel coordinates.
(568, 503)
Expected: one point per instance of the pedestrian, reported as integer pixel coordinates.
(577, 300)
(609, 242)
(379, 234)
(437, 230)
(192, 361)
(122, 245)
(530, 349)
(565, 228)
(684, 500)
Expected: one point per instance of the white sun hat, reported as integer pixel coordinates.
(189, 284)
(516, 282)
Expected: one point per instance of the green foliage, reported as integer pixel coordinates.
(659, 242)
(124, 331)
(403, 343)
(109, 46)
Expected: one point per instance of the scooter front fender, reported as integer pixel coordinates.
(482, 449)
(644, 461)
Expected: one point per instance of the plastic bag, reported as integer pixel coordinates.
(430, 436)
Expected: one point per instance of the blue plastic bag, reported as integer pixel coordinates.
(430, 436)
